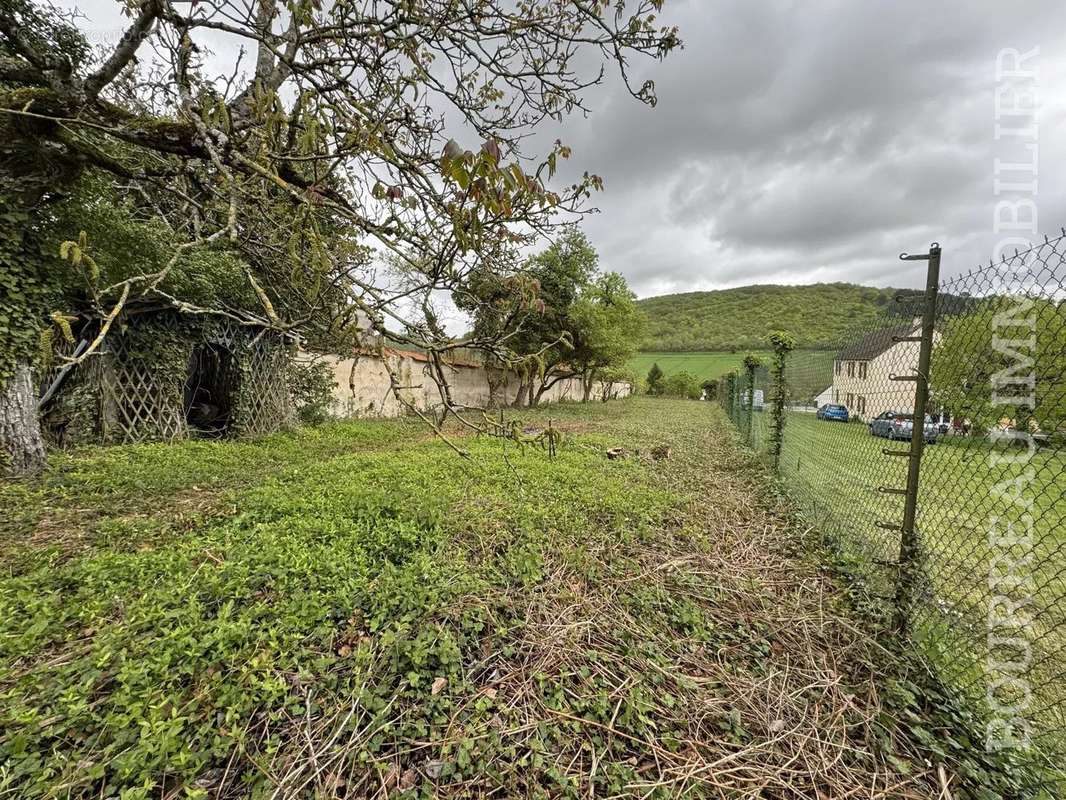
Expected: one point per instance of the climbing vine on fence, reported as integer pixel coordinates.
(751, 363)
(727, 393)
(782, 344)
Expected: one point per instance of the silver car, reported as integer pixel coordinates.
(900, 424)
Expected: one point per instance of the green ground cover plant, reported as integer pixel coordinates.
(355, 611)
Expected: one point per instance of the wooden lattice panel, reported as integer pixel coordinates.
(140, 404)
(137, 400)
(265, 403)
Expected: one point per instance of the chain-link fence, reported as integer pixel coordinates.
(956, 514)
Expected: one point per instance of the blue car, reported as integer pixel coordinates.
(833, 413)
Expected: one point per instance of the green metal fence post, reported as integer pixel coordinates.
(909, 546)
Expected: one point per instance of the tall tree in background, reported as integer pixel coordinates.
(993, 359)
(528, 305)
(655, 378)
(331, 136)
(607, 328)
(559, 313)
(562, 316)
(547, 336)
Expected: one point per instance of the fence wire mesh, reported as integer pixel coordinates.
(985, 597)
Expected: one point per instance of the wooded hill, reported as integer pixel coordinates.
(818, 315)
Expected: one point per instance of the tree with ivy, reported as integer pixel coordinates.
(781, 344)
(323, 168)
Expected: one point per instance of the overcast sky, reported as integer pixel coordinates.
(799, 142)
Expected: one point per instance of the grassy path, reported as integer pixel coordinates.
(355, 612)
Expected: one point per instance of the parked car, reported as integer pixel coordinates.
(900, 424)
(832, 412)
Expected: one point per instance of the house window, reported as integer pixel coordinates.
(851, 400)
(860, 405)
(837, 364)
(862, 369)
(851, 369)
(836, 395)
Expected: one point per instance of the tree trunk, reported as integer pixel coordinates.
(586, 387)
(525, 394)
(21, 446)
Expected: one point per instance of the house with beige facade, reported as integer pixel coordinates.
(863, 371)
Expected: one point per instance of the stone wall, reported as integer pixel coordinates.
(363, 387)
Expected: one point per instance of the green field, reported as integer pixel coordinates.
(836, 471)
(809, 371)
(704, 366)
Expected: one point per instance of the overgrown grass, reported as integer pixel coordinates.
(354, 611)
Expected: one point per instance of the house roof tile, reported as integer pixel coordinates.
(874, 344)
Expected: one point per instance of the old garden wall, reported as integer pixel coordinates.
(363, 385)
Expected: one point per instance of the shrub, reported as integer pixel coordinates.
(312, 385)
(682, 384)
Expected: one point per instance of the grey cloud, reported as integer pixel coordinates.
(801, 142)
